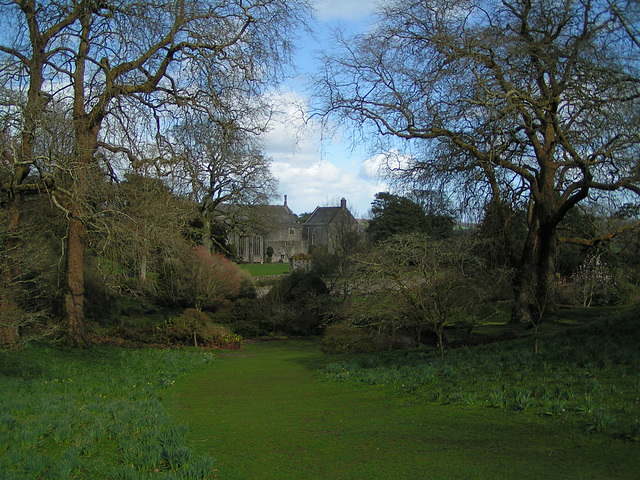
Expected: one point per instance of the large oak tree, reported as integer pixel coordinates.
(127, 70)
(532, 103)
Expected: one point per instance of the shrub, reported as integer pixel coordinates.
(247, 286)
(98, 301)
(183, 329)
(298, 304)
(195, 327)
(251, 318)
(592, 284)
(298, 285)
(220, 336)
(198, 278)
(347, 338)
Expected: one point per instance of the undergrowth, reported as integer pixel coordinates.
(588, 376)
(94, 414)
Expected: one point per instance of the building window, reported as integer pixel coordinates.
(292, 231)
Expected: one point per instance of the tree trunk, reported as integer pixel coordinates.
(143, 269)
(74, 297)
(545, 272)
(523, 282)
(536, 273)
(86, 142)
(440, 335)
(207, 241)
(9, 312)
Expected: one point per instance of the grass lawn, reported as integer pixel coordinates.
(264, 413)
(265, 269)
(284, 410)
(93, 414)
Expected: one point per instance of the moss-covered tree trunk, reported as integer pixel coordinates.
(9, 311)
(74, 295)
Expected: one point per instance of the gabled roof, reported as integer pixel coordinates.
(278, 214)
(323, 215)
(258, 218)
(326, 215)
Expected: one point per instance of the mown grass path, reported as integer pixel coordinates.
(262, 413)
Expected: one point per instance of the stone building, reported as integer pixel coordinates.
(264, 231)
(260, 230)
(325, 225)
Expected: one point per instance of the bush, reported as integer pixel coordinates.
(195, 327)
(251, 318)
(592, 284)
(197, 278)
(247, 286)
(344, 337)
(297, 286)
(98, 300)
(220, 336)
(299, 304)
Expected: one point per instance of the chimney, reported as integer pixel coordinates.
(285, 200)
(343, 204)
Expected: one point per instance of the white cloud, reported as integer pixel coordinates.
(351, 10)
(322, 184)
(312, 173)
(385, 166)
(309, 176)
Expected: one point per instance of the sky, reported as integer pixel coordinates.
(311, 171)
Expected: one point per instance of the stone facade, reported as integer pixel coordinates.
(264, 229)
(324, 225)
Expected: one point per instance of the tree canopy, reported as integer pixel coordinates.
(124, 74)
(394, 214)
(533, 103)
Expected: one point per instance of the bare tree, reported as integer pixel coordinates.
(428, 283)
(219, 162)
(26, 52)
(529, 103)
(126, 64)
(141, 224)
(347, 240)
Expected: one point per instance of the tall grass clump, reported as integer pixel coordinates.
(94, 413)
(587, 376)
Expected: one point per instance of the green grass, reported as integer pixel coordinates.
(284, 410)
(265, 413)
(265, 269)
(586, 377)
(94, 413)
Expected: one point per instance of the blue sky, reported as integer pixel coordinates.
(313, 172)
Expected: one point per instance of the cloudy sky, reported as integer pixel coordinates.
(313, 172)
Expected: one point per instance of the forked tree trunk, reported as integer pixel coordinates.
(524, 278)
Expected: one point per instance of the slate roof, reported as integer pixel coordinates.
(262, 218)
(323, 215)
(278, 214)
